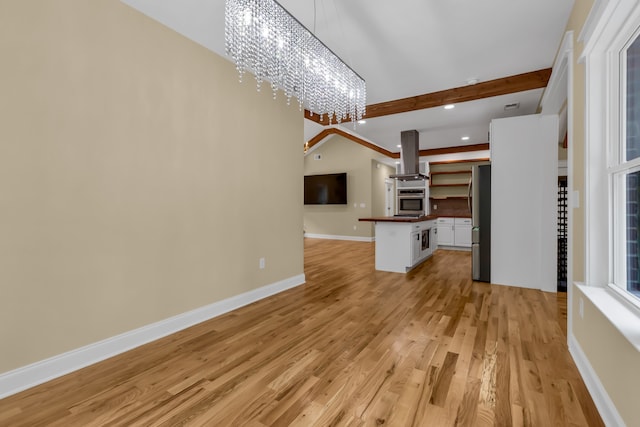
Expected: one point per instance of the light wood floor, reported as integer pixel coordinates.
(352, 347)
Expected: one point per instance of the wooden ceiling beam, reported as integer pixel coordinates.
(448, 162)
(456, 149)
(335, 131)
(503, 86)
(429, 152)
(319, 137)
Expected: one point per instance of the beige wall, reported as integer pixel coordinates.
(131, 187)
(562, 153)
(612, 357)
(339, 154)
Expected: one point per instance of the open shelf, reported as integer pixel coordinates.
(449, 198)
(450, 180)
(456, 172)
(450, 185)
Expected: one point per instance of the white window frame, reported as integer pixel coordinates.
(605, 64)
(618, 169)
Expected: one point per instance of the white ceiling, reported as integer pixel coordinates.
(408, 47)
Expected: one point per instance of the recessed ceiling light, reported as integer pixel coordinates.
(399, 146)
(397, 163)
(465, 138)
(362, 122)
(449, 106)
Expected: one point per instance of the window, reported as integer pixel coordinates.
(624, 172)
(632, 235)
(612, 165)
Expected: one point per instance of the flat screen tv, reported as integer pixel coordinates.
(328, 189)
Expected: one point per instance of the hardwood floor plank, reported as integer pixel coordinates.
(351, 347)
(445, 375)
(408, 401)
(9, 412)
(289, 407)
(467, 410)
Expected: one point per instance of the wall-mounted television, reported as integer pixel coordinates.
(327, 189)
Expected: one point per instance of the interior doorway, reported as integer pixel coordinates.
(389, 197)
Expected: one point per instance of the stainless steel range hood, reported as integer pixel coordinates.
(410, 157)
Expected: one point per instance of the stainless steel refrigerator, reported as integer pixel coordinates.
(480, 204)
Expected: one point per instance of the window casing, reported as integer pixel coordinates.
(609, 170)
(623, 169)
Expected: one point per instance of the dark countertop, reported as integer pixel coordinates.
(400, 218)
(410, 218)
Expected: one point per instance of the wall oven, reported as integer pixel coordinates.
(411, 201)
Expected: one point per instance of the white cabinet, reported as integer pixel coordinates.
(445, 231)
(454, 232)
(402, 245)
(416, 247)
(434, 238)
(462, 232)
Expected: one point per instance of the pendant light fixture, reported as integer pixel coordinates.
(263, 38)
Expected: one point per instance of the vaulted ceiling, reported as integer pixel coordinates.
(415, 56)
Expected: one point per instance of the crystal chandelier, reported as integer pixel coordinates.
(262, 37)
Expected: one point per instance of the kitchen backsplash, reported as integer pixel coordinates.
(449, 207)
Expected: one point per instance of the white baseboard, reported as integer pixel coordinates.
(332, 237)
(45, 370)
(600, 397)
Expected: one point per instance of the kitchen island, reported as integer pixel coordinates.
(402, 243)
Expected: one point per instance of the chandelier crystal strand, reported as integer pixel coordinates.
(263, 38)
